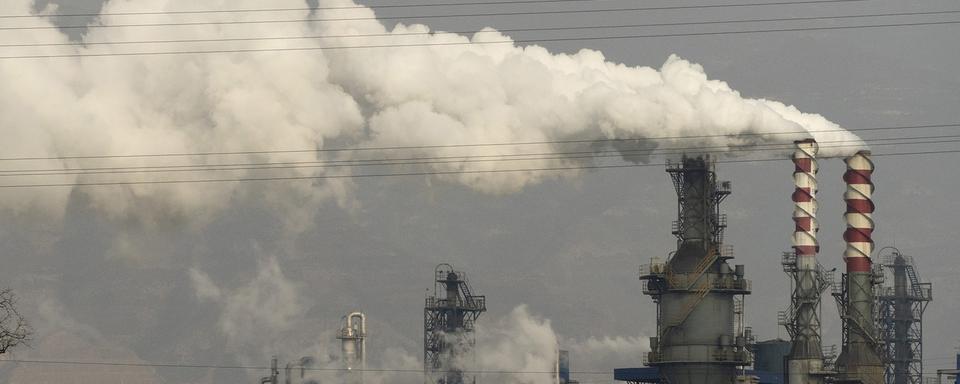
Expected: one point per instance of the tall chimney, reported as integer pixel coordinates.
(805, 362)
(860, 359)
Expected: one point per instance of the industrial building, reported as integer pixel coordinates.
(701, 334)
(448, 327)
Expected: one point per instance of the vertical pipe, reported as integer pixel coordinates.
(862, 356)
(805, 361)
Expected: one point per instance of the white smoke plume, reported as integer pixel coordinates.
(262, 101)
(254, 317)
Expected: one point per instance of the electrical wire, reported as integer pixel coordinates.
(493, 42)
(474, 145)
(255, 367)
(421, 173)
(722, 149)
(307, 9)
(488, 14)
(465, 32)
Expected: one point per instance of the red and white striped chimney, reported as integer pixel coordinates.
(859, 215)
(805, 243)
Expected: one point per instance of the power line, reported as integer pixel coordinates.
(424, 173)
(474, 145)
(723, 149)
(300, 9)
(518, 41)
(300, 20)
(465, 32)
(255, 367)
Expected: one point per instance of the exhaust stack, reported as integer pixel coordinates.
(860, 359)
(802, 320)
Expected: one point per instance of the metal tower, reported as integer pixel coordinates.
(448, 323)
(699, 340)
(353, 346)
(901, 318)
(808, 280)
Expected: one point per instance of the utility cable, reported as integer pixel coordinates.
(475, 145)
(722, 149)
(488, 14)
(422, 173)
(371, 6)
(493, 42)
(469, 32)
(305, 9)
(255, 367)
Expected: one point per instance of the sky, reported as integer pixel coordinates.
(231, 275)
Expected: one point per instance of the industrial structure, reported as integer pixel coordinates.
(274, 376)
(698, 295)
(699, 301)
(861, 355)
(448, 327)
(302, 365)
(563, 368)
(353, 346)
(808, 280)
(902, 300)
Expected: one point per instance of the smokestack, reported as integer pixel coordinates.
(859, 216)
(805, 362)
(860, 360)
(805, 243)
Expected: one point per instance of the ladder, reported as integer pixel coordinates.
(914, 281)
(702, 290)
(705, 263)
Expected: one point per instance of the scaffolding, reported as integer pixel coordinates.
(901, 302)
(448, 327)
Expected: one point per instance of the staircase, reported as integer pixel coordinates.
(699, 288)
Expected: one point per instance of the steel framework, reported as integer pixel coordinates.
(699, 297)
(448, 327)
(900, 319)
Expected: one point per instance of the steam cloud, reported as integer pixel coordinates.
(410, 96)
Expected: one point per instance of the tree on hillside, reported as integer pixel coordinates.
(14, 329)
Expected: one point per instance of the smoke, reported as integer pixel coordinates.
(519, 342)
(257, 317)
(410, 96)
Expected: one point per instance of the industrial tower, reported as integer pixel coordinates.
(448, 323)
(861, 357)
(353, 346)
(808, 280)
(696, 292)
(901, 318)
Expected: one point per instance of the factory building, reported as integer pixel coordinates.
(701, 336)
